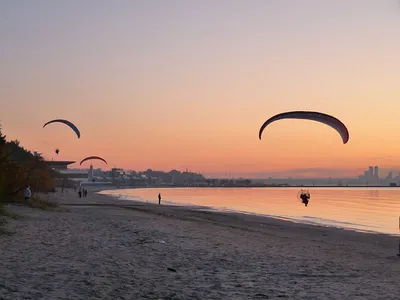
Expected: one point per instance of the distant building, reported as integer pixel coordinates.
(116, 173)
(389, 177)
(61, 167)
(376, 172)
(75, 175)
(370, 173)
(142, 180)
(59, 164)
(91, 173)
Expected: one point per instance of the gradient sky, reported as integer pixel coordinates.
(187, 84)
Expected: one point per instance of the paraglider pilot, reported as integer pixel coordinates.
(305, 198)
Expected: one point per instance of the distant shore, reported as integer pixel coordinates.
(107, 248)
(111, 187)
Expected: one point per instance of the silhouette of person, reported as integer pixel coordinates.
(159, 198)
(305, 198)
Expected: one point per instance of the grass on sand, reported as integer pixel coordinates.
(38, 202)
(34, 202)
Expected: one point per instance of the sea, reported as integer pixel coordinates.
(366, 209)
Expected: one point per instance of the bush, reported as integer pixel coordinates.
(18, 168)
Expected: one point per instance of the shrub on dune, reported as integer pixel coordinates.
(18, 168)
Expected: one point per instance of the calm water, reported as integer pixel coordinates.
(364, 209)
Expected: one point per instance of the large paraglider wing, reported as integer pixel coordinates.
(313, 116)
(68, 123)
(92, 157)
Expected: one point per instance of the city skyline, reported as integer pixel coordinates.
(186, 85)
(383, 173)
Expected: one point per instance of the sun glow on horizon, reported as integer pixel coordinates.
(189, 86)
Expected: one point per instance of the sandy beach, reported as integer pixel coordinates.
(102, 248)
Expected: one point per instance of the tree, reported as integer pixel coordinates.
(19, 167)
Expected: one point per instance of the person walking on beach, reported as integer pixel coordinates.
(159, 198)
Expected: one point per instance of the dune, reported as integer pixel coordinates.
(103, 248)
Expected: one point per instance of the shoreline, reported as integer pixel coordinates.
(213, 210)
(115, 201)
(107, 200)
(111, 201)
(107, 248)
(252, 186)
(233, 211)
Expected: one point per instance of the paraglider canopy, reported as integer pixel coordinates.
(312, 116)
(66, 122)
(92, 157)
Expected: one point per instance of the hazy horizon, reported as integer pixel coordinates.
(284, 174)
(187, 84)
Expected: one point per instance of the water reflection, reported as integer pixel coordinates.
(372, 194)
(342, 207)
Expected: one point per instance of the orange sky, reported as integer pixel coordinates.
(189, 86)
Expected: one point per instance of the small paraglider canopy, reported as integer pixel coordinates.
(57, 151)
(68, 123)
(312, 116)
(92, 157)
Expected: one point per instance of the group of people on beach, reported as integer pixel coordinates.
(82, 193)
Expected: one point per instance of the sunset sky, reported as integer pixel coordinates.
(187, 84)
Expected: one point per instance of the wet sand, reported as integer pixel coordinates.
(102, 248)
